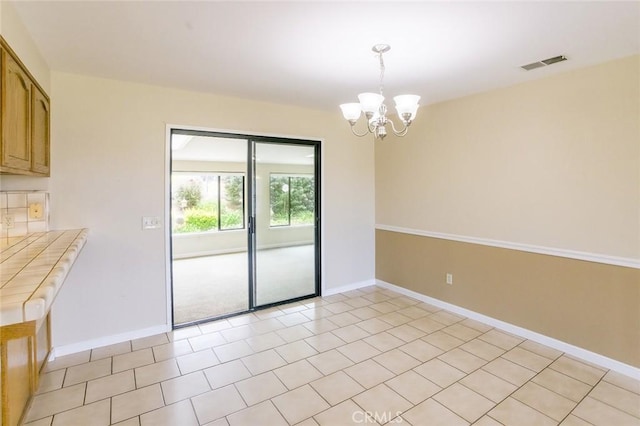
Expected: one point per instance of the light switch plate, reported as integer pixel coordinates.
(151, 222)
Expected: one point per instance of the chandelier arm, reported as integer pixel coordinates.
(372, 126)
(353, 130)
(395, 131)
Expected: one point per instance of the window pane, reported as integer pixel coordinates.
(195, 202)
(292, 200)
(302, 200)
(279, 200)
(232, 202)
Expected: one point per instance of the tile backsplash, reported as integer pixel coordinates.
(23, 212)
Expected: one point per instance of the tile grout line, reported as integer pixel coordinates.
(583, 398)
(529, 381)
(604, 402)
(362, 339)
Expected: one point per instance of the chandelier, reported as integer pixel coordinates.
(374, 109)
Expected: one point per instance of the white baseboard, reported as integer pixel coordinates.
(107, 340)
(348, 287)
(137, 334)
(567, 348)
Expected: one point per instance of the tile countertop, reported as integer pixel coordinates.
(32, 270)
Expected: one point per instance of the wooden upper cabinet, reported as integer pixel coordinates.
(39, 132)
(16, 105)
(24, 119)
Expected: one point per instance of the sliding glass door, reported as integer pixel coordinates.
(285, 221)
(209, 212)
(244, 223)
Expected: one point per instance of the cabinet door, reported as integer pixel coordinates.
(39, 132)
(16, 99)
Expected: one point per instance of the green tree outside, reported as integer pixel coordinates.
(292, 200)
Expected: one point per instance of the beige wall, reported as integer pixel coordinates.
(108, 155)
(553, 165)
(553, 162)
(590, 305)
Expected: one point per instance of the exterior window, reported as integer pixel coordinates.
(206, 202)
(292, 199)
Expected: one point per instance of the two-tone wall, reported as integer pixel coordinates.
(530, 197)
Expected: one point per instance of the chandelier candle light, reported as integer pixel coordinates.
(375, 111)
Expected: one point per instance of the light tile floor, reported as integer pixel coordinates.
(369, 356)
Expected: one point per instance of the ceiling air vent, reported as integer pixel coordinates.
(543, 63)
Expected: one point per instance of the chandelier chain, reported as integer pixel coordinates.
(381, 73)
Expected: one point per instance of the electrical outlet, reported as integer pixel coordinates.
(35, 211)
(8, 221)
(450, 279)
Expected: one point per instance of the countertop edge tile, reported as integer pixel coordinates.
(38, 303)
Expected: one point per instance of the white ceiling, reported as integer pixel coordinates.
(317, 54)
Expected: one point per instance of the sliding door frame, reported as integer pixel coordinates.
(251, 139)
(252, 246)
